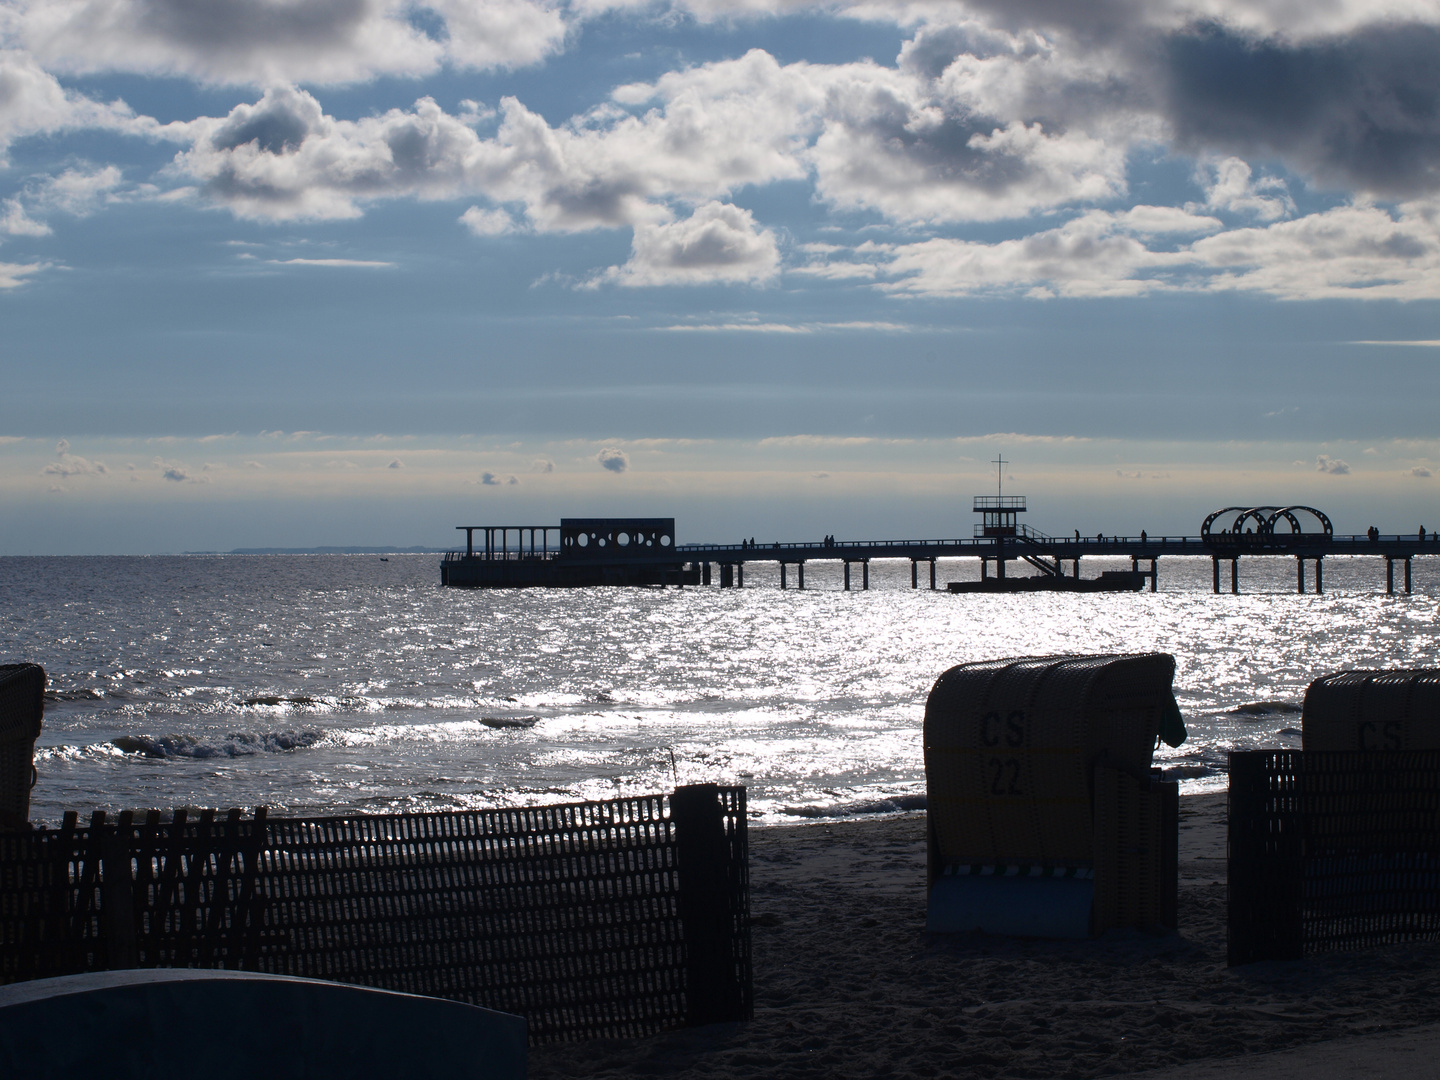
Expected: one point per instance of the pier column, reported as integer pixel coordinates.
(1235, 575)
(1389, 576)
(800, 573)
(1076, 568)
(739, 575)
(1407, 575)
(1155, 574)
(1215, 565)
(914, 574)
(999, 559)
(782, 575)
(705, 573)
(984, 568)
(864, 574)
(1300, 574)
(727, 575)
(932, 574)
(847, 575)
(1319, 580)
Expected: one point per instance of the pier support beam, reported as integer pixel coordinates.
(727, 575)
(782, 576)
(1319, 579)
(847, 575)
(705, 573)
(1235, 576)
(1407, 575)
(914, 573)
(932, 574)
(1389, 576)
(1215, 566)
(984, 568)
(739, 575)
(800, 573)
(865, 574)
(1300, 574)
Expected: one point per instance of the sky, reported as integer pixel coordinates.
(309, 272)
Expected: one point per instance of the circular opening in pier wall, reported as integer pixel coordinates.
(623, 539)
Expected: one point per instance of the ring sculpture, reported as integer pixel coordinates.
(1254, 526)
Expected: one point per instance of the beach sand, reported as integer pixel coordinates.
(848, 984)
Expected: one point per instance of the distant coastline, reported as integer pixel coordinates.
(352, 549)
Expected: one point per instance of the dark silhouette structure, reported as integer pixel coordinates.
(643, 551)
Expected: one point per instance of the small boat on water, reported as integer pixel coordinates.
(1108, 581)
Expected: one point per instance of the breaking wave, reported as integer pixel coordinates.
(238, 744)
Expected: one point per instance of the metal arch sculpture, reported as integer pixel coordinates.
(1288, 513)
(1263, 533)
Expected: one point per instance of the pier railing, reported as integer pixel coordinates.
(611, 919)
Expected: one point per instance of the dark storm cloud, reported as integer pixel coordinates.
(276, 126)
(237, 25)
(1361, 110)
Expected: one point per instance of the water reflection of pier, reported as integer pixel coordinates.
(642, 551)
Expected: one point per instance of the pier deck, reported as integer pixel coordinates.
(1057, 552)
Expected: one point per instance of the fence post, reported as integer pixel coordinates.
(1266, 865)
(117, 902)
(709, 908)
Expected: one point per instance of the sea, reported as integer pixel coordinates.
(345, 684)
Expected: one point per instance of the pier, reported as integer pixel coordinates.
(642, 551)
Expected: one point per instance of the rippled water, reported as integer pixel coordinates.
(344, 683)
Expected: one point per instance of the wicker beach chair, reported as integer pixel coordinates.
(1044, 817)
(22, 700)
(1373, 710)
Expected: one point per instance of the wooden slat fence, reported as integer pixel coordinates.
(1332, 850)
(607, 919)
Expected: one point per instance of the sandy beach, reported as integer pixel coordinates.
(848, 984)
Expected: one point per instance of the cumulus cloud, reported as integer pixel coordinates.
(1359, 108)
(992, 111)
(396, 464)
(1230, 186)
(613, 459)
(1334, 466)
(1360, 251)
(14, 221)
(1422, 472)
(1091, 255)
(490, 479)
(177, 473)
(483, 222)
(267, 41)
(717, 243)
(67, 465)
(32, 102)
(544, 465)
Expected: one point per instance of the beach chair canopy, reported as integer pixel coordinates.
(1011, 748)
(1373, 710)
